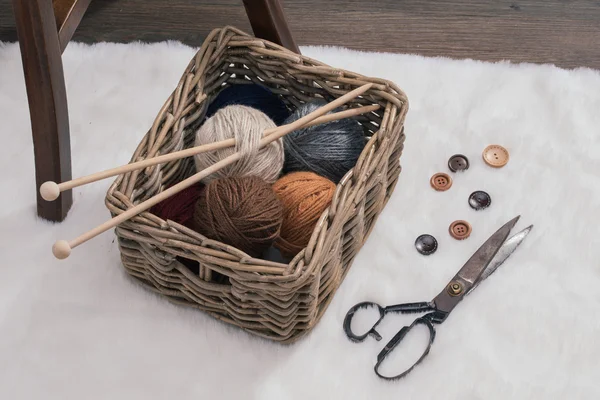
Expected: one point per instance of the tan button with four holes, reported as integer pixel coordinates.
(460, 229)
(495, 156)
(441, 181)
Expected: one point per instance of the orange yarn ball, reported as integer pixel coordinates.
(304, 196)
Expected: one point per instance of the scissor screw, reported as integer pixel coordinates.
(455, 288)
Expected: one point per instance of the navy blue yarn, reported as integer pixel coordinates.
(254, 96)
(329, 150)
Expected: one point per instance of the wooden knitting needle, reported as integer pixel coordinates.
(51, 190)
(62, 248)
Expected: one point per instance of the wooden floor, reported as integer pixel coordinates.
(566, 33)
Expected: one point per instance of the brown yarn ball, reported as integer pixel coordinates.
(304, 196)
(240, 211)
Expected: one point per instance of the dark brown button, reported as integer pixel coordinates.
(479, 200)
(458, 162)
(441, 181)
(426, 244)
(460, 229)
(495, 156)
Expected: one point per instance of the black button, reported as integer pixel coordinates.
(479, 200)
(426, 244)
(458, 162)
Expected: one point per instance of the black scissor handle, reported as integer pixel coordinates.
(372, 331)
(405, 308)
(391, 345)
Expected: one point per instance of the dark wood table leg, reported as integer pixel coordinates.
(42, 64)
(269, 23)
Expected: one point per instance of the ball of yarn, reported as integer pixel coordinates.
(329, 149)
(179, 207)
(304, 196)
(242, 212)
(246, 125)
(254, 96)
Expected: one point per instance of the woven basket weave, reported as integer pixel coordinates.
(273, 300)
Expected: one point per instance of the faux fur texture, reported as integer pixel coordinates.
(81, 329)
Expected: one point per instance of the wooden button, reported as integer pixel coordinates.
(495, 156)
(460, 229)
(441, 181)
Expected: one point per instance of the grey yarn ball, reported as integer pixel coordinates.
(329, 149)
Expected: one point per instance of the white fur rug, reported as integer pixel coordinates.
(81, 329)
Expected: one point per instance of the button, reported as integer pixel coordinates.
(458, 162)
(426, 244)
(441, 181)
(479, 200)
(495, 156)
(460, 230)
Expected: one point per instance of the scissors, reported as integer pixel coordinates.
(481, 265)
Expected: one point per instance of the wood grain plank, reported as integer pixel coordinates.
(566, 33)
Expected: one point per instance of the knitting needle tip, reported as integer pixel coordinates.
(49, 191)
(61, 249)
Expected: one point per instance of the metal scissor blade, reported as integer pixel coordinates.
(480, 260)
(470, 273)
(509, 246)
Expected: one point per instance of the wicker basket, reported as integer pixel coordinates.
(277, 301)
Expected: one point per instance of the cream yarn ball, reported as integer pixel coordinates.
(246, 125)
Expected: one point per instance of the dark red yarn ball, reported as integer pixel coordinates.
(179, 207)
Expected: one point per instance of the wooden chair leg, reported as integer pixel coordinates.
(68, 15)
(268, 22)
(42, 65)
